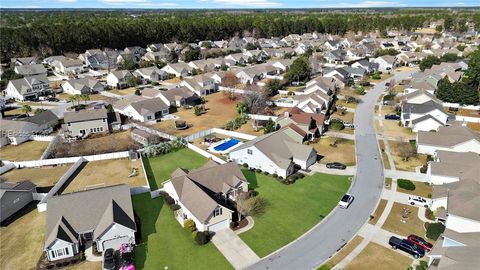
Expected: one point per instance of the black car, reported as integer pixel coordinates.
(392, 116)
(109, 259)
(336, 165)
(407, 246)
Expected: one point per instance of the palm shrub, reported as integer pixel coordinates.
(189, 224)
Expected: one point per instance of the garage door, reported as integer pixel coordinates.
(219, 226)
(115, 243)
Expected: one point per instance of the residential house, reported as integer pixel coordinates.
(151, 74)
(23, 61)
(337, 56)
(356, 73)
(237, 58)
(136, 53)
(103, 216)
(16, 132)
(316, 102)
(45, 120)
(119, 78)
(98, 59)
(370, 67)
(386, 62)
(155, 47)
(275, 153)
(156, 56)
(420, 97)
(143, 137)
(310, 123)
(142, 109)
(449, 167)
(201, 85)
(180, 69)
(205, 195)
(85, 122)
(31, 70)
(66, 66)
(28, 88)
(178, 96)
(253, 74)
(83, 86)
(456, 138)
(14, 197)
(426, 116)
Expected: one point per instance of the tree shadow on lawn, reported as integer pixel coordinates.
(150, 175)
(251, 177)
(146, 212)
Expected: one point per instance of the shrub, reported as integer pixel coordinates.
(154, 83)
(360, 91)
(422, 266)
(201, 238)
(251, 206)
(376, 76)
(258, 170)
(265, 173)
(434, 230)
(194, 235)
(245, 165)
(336, 124)
(167, 199)
(280, 177)
(406, 184)
(189, 224)
(275, 175)
(429, 214)
(424, 169)
(175, 207)
(252, 193)
(233, 224)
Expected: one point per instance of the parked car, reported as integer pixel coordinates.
(336, 165)
(127, 261)
(407, 246)
(392, 116)
(420, 242)
(109, 259)
(417, 200)
(346, 200)
(348, 125)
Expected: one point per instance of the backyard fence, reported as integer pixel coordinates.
(456, 105)
(205, 154)
(50, 147)
(56, 161)
(42, 205)
(235, 90)
(152, 131)
(467, 119)
(42, 138)
(262, 117)
(204, 133)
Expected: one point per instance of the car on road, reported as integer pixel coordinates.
(417, 200)
(407, 246)
(336, 165)
(109, 259)
(392, 116)
(346, 200)
(420, 242)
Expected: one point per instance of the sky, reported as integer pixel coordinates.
(201, 4)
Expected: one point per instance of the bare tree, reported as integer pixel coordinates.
(251, 206)
(406, 150)
(230, 81)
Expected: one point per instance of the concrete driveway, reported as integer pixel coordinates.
(316, 246)
(234, 249)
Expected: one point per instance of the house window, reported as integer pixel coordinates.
(149, 117)
(250, 151)
(217, 212)
(101, 128)
(69, 124)
(104, 119)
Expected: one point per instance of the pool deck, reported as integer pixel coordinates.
(212, 147)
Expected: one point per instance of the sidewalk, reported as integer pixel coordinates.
(421, 177)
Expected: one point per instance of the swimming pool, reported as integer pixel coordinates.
(226, 145)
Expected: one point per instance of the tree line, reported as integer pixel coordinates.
(51, 33)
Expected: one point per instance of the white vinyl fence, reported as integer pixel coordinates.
(219, 131)
(205, 154)
(151, 131)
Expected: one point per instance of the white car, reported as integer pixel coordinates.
(417, 200)
(346, 200)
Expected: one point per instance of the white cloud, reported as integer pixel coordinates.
(246, 3)
(66, 1)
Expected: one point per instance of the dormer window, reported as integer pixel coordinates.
(217, 212)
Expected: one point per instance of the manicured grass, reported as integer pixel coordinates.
(42, 177)
(21, 242)
(346, 104)
(347, 249)
(166, 243)
(31, 150)
(124, 92)
(107, 173)
(377, 257)
(422, 189)
(378, 212)
(160, 168)
(386, 164)
(388, 183)
(292, 210)
(343, 152)
(411, 225)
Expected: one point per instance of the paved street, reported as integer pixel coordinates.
(317, 245)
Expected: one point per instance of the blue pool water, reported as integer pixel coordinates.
(226, 145)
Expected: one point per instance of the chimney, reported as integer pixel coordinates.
(286, 114)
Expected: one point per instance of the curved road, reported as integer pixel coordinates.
(317, 245)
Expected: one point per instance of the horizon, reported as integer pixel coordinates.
(231, 4)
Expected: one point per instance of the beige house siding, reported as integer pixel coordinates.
(89, 127)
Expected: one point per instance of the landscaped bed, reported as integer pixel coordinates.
(422, 189)
(219, 110)
(291, 210)
(160, 168)
(21, 242)
(107, 173)
(377, 257)
(396, 222)
(166, 244)
(42, 177)
(336, 150)
(31, 150)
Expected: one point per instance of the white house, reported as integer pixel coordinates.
(178, 69)
(423, 117)
(31, 70)
(151, 74)
(28, 88)
(204, 194)
(66, 65)
(87, 85)
(386, 62)
(103, 216)
(275, 153)
(142, 109)
(449, 167)
(455, 138)
(119, 78)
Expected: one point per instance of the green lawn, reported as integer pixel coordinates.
(292, 210)
(160, 168)
(166, 243)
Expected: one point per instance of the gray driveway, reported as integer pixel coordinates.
(234, 249)
(316, 246)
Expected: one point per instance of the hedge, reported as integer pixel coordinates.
(406, 184)
(434, 230)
